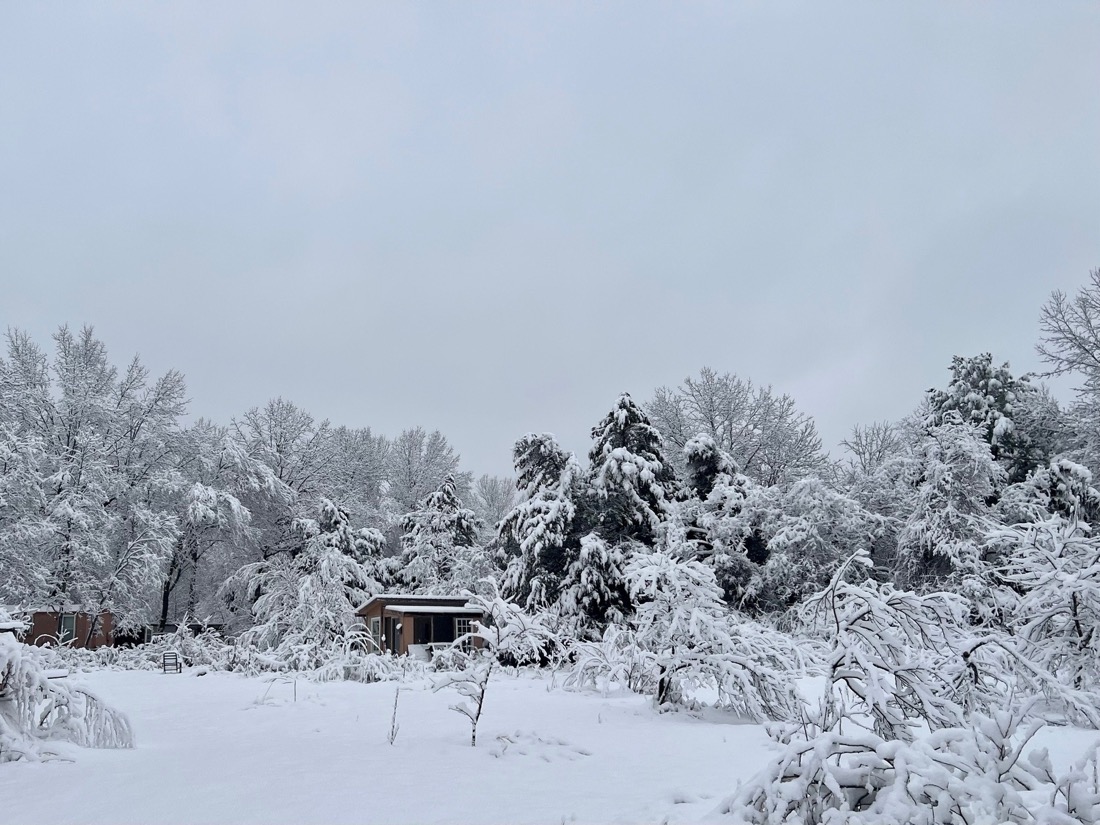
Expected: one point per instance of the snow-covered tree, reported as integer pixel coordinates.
(705, 464)
(508, 636)
(871, 446)
(216, 473)
(987, 396)
(959, 479)
(1063, 488)
(299, 452)
(1050, 571)
(96, 446)
(771, 441)
(697, 641)
(810, 529)
(417, 463)
(1071, 333)
(492, 499)
(25, 531)
(356, 477)
(541, 524)
(304, 603)
(630, 480)
(594, 592)
(435, 536)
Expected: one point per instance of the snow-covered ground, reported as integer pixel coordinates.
(226, 748)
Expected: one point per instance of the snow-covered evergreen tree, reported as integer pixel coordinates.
(541, 524)
(629, 478)
(959, 479)
(594, 592)
(1064, 488)
(434, 538)
(986, 397)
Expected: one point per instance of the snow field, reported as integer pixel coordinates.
(222, 748)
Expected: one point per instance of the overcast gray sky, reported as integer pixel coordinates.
(491, 218)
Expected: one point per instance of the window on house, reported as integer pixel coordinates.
(462, 627)
(66, 627)
(376, 633)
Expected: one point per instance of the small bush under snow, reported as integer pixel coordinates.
(35, 710)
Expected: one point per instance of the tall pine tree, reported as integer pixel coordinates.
(630, 480)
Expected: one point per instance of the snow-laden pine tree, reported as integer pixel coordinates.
(439, 537)
(304, 603)
(594, 591)
(987, 397)
(705, 465)
(959, 478)
(631, 483)
(540, 525)
(726, 528)
(1063, 488)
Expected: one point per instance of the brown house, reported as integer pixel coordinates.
(403, 624)
(69, 625)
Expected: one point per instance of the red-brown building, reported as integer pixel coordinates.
(69, 625)
(403, 624)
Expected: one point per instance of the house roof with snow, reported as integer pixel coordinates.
(449, 610)
(419, 603)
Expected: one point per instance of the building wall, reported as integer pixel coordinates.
(44, 629)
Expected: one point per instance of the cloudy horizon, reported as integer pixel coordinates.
(492, 220)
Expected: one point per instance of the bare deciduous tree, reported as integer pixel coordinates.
(770, 439)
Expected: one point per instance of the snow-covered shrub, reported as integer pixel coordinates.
(449, 659)
(696, 641)
(206, 648)
(617, 660)
(1051, 594)
(976, 773)
(889, 652)
(35, 709)
(908, 730)
(357, 666)
(682, 636)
